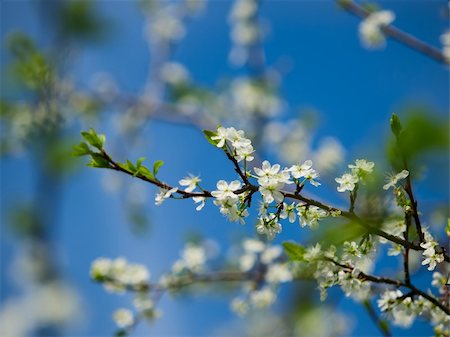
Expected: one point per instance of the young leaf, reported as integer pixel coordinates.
(294, 251)
(98, 161)
(130, 166)
(81, 150)
(139, 162)
(208, 135)
(146, 173)
(156, 166)
(93, 139)
(396, 126)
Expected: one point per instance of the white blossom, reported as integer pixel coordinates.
(431, 257)
(165, 26)
(225, 191)
(243, 9)
(392, 180)
(270, 254)
(439, 281)
(389, 299)
(361, 167)
(251, 98)
(278, 273)
(305, 171)
(310, 215)
(239, 306)
(194, 257)
(262, 298)
(267, 170)
(253, 245)
(164, 194)
(289, 212)
(271, 181)
(118, 273)
(370, 29)
(247, 261)
(174, 73)
(142, 302)
(123, 318)
(270, 190)
(445, 40)
(241, 145)
(347, 182)
(352, 286)
(269, 226)
(191, 182)
(200, 201)
(312, 253)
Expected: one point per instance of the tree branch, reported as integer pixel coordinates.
(397, 34)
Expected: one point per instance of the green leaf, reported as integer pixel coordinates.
(156, 166)
(396, 126)
(294, 251)
(130, 166)
(146, 173)
(94, 139)
(208, 135)
(98, 161)
(139, 162)
(81, 150)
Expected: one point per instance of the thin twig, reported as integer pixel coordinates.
(381, 324)
(406, 252)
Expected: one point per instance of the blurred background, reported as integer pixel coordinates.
(151, 75)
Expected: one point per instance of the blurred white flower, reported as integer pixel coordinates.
(278, 273)
(123, 318)
(165, 26)
(174, 73)
(370, 29)
(445, 40)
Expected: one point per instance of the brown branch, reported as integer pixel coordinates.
(415, 213)
(397, 34)
(237, 168)
(385, 280)
(252, 188)
(115, 166)
(358, 220)
(406, 252)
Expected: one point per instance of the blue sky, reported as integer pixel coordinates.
(354, 90)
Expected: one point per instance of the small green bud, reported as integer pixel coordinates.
(396, 126)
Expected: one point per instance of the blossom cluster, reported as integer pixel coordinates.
(280, 192)
(264, 264)
(349, 267)
(359, 170)
(165, 22)
(117, 275)
(267, 264)
(430, 253)
(331, 267)
(403, 310)
(244, 29)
